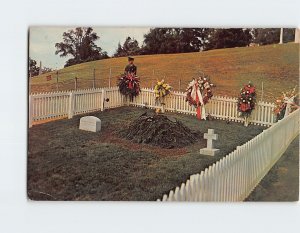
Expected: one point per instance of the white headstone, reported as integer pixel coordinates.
(210, 150)
(90, 123)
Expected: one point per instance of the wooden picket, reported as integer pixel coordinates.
(224, 108)
(234, 176)
(66, 104)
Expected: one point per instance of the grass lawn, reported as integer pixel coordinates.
(65, 163)
(277, 66)
(282, 181)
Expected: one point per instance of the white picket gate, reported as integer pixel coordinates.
(234, 176)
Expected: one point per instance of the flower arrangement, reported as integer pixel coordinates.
(247, 100)
(202, 84)
(162, 89)
(281, 102)
(129, 85)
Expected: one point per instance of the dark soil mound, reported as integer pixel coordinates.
(159, 130)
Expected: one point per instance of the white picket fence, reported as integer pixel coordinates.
(234, 176)
(230, 179)
(219, 107)
(66, 104)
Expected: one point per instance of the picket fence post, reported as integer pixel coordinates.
(30, 112)
(103, 99)
(71, 105)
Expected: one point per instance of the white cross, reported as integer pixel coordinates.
(211, 137)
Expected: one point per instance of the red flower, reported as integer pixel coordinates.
(250, 89)
(244, 107)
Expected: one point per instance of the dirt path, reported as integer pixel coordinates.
(282, 181)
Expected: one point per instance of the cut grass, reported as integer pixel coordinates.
(65, 163)
(282, 182)
(277, 66)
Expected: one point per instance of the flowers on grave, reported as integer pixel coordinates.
(199, 91)
(162, 89)
(129, 85)
(198, 94)
(247, 100)
(285, 104)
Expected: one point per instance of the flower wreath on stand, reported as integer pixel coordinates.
(129, 85)
(246, 101)
(285, 104)
(198, 94)
(161, 90)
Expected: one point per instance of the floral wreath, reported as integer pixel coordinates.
(129, 85)
(247, 100)
(281, 103)
(204, 86)
(161, 89)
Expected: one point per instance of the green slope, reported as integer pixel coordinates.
(277, 66)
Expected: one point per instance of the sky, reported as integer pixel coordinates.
(42, 42)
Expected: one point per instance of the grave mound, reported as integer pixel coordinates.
(160, 131)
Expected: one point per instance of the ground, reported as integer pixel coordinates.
(282, 181)
(277, 66)
(65, 163)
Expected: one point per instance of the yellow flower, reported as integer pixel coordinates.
(164, 85)
(159, 83)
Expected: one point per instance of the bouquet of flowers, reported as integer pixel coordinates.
(161, 89)
(246, 100)
(200, 86)
(281, 103)
(129, 85)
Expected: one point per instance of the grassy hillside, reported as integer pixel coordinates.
(277, 66)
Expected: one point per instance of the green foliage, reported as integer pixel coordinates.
(227, 38)
(129, 48)
(79, 43)
(173, 40)
(264, 36)
(33, 69)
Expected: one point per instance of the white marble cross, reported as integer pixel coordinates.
(211, 137)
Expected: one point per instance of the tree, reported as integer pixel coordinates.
(79, 43)
(228, 38)
(129, 48)
(33, 68)
(174, 40)
(264, 36)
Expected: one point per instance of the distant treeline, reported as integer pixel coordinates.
(185, 40)
(79, 43)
